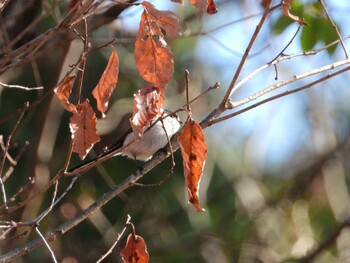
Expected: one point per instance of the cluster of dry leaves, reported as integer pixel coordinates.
(155, 64)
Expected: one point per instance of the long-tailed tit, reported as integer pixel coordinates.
(154, 139)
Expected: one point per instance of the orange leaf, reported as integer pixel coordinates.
(153, 56)
(135, 250)
(83, 129)
(108, 81)
(63, 91)
(178, 1)
(193, 150)
(167, 20)
(286, 5)
(148, 103)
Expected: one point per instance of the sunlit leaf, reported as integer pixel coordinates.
(83, 129)
(63, 91)
(148, 103)
(193, 150)
(166, 20)
(153, 56)
(135, 250)
(108, 81)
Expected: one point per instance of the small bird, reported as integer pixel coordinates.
(153, 140)
(142, 149)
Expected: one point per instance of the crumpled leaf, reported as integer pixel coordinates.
(83, 129)
(193, 150)
(148, 103)
(153, 56)
(286, 5)
(135, 250)
(107, 83)
(63, 91)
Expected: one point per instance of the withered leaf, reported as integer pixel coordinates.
(286, 5)
(135, 250)
(153, 56)
(148, 103)
(83, 129)
(107, 83)
(167, 20)
(63, 91)
(193, 150)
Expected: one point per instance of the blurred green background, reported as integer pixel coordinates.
(275, 183)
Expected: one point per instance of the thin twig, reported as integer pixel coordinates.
(335, 28)
(325, 243)
(246, 54)
(47, 245)
(283, 94)
(116, 242)
(8, 142)
(20, 87)
(288, 81)
(15, 161)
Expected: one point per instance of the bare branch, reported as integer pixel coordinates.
(327, 242)
(335, 28)
(47, 245)
(288, 81)
(21, 87)
(116, 242)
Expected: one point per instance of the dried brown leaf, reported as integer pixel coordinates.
(63, 91)
(193, 150)
(167, 20)
(286, 5)
(135, 250)
(83, 129)
(107, 84)
(148, 103)
(153, 56)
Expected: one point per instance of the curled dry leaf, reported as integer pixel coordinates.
(107, 83)
(194, 154)
(148, 103)
(153, 56)
(286, 5)
(83, 129)
(135, 250)
(63, 91)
